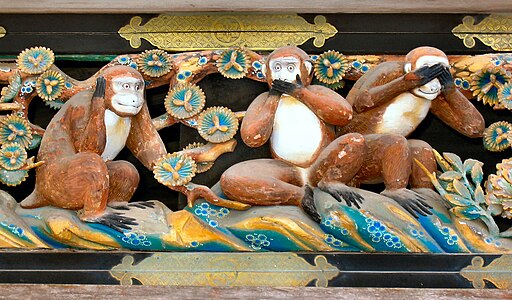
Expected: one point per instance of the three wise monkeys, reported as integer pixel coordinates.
(389, 102)
(297, 118)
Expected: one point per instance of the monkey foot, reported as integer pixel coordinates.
(411, 201)
(341, 192)
(127, 206)
(195, 191)
(308, 204)
(116, 221)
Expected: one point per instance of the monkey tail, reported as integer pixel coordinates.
(32, 201)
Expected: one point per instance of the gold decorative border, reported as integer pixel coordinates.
(494, 31)
(498, 272)
(184, 32)
(225, 269)
(3, 32)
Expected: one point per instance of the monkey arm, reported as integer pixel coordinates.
(327, 104)
(380, 85)
(259, 119)
(454, 109)
(144, 141)
(93, 137)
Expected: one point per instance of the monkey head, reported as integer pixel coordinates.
(421, 57)
(286, 63)
(124, 91)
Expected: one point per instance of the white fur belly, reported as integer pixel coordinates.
(118, 129)
(297, 133)
(404, 114)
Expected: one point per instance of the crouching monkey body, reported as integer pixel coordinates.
(85, 136)
(297, 119)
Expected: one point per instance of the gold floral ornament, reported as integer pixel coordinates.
(184, 101)
(15, 129)
(499, 188)
(233, 63)
(154, 63)
(174, 169)
(330, 67)
(493, 31)
(12, 156)
(201, 167)
(487, 83)
(49, 85)
(497, 137)
(217, 124)
(35, 60)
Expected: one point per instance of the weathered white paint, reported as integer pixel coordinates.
(404, 114)
(118, 129)
(297, 132)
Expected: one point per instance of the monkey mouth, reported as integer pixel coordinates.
(128, 105)
(429, 93)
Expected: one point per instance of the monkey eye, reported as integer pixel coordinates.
(277, 67)
(137, 87)
(126, 86)
(291, 67)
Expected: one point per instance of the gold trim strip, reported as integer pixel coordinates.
(494, 31)
(184, 32)
(498, 272)
(225, 269)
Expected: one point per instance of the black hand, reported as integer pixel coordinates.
(415, 207)
(299, 82)
(427, 73)
(446, 78)
(274, 92)
(99, 91)
(284, 86)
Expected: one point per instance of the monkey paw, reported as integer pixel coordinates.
(116, 221)
(308, 204)
(341, 192)
(411, 201)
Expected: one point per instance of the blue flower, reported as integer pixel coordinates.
(505, 96)
(15, 129)
(217, 124)
(486, 83)
(49, 85)
(124, 60)
(13, 178)
(497, 137)
(202, 61)
(233, 64)
(35, 60)
(174, 169)
(330, 67)
(12, 156)
(154, 63)
(8, 93)
(184, 101)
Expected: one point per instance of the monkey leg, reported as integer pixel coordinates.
(79, 181)
(389, 160)
(339, 161)
(337, 165)
(123, 181)
(422, 152)
(264, 182)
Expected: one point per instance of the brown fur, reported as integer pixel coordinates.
(74, 175)
(272, 182)
(371, 96)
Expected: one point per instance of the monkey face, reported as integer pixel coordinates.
(127, 97)
(285, 68)
(431, 89)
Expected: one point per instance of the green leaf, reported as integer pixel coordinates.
(454, 160)
(477, 174)
(457, 200)
(479, 195)
(466, 213)
(461, 189)
(468, 164)
(450, 175)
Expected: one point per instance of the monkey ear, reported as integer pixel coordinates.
(309, 66)
(408, 67)
(264, 69)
